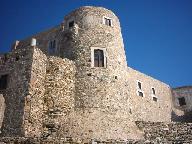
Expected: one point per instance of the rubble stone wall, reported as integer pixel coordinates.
(2, 109)
(17, 65)
(159, 132)
(153, 133)
(59, 97)
(33, 110)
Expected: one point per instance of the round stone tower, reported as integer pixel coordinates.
(92, 39)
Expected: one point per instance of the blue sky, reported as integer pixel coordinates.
(157, 33)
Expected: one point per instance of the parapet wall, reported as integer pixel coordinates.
(42, 40)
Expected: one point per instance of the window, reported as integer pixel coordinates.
(139, 89)
(3, 82)
(98, 58)
(139, 85)
(71, 24)
(153, 91)
(155, 99)
(140, 93)
(182, 101)
(52, 46)
(107, 21)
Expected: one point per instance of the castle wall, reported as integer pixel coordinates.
(70, 97)
(33, 110)
(145, 108)
(59, 97)
(101, 98)
(17, 65)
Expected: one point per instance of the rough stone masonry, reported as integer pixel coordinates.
(72, 83)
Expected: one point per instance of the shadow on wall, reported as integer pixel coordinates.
(187, 117)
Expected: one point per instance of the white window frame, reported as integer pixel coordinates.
(138, 89)
(105, 17)
(92, 56)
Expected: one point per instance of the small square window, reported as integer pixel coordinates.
(182, 101)
(3, 82)
(71, 24)
(155, 99)
(107, 21)
(140, 93)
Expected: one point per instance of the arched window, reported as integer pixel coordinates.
(98, 58)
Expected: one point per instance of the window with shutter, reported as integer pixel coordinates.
(98, 58)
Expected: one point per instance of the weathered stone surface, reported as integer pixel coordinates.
(61, 95)
(2, 109)
(166, 132)
(33, 118)
(185, 111)
(18, 67)
(145, 108)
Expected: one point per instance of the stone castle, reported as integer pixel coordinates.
(73, 81)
